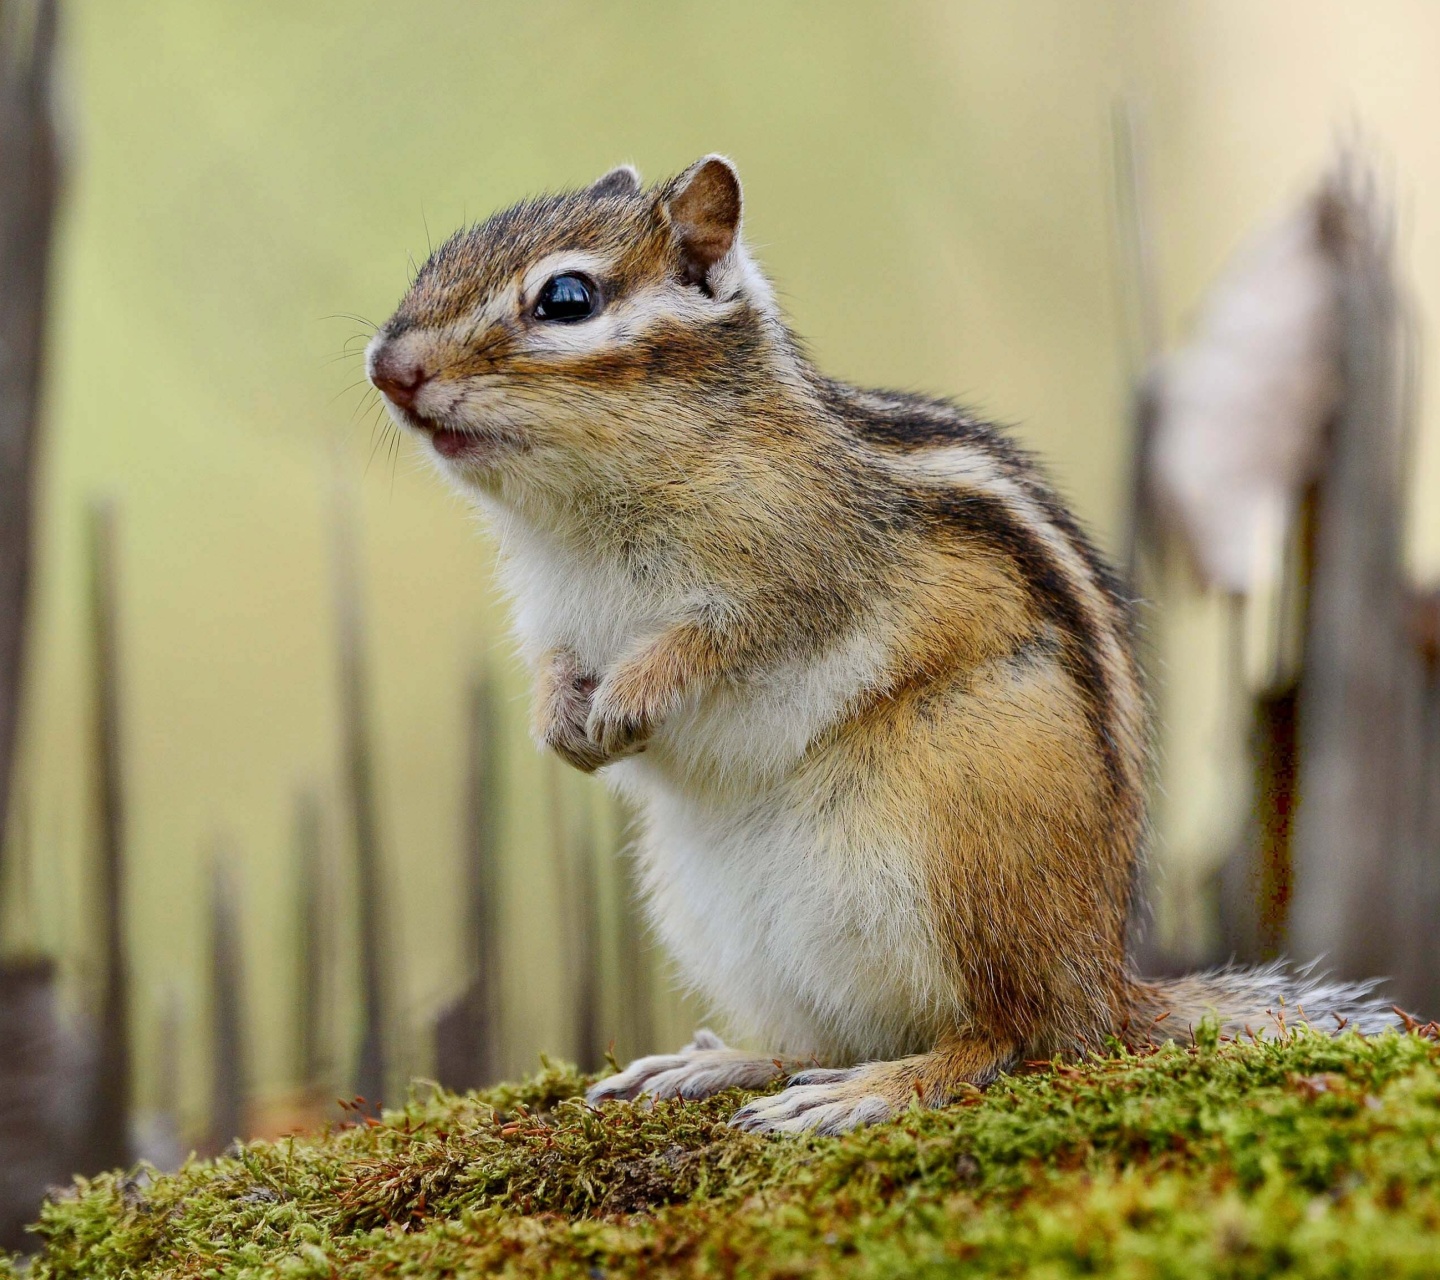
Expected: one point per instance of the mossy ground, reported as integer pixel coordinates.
(1307, 1157)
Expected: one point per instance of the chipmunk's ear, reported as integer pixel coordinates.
(704, 208)
(624, 181)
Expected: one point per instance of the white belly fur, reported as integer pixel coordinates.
(808, 937)
(798, 918)
(784, 901)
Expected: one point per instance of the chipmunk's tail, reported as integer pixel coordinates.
(1262, 1000)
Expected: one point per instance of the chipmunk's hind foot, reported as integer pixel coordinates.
(830, 1102)
(702, 1068)
(824, 1102)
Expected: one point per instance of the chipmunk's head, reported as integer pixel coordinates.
(583, 334)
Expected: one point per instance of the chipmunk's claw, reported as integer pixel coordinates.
(616, 732)
(578, 752)
(702, 1068)
(562, 726)
(627, 707)
(819, 1101)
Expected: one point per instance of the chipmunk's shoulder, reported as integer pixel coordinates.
(973, 472)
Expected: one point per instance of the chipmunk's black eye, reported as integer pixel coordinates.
(566, 298)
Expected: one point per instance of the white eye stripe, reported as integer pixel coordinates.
(624, 319)
(735, 280)
(617, 320)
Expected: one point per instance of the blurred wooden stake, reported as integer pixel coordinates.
(1354, 777)
(157, 1131)
(1140, 309)
(359, 781)
(468, 1030)
(637, 987)
(1418, 881)
(38, 1076)
(28, 195)
(314, 947)
(1140, 306)
(572, 851)
(586, 1012)
(108, 1144)
(1275, 456)
(228, 1075)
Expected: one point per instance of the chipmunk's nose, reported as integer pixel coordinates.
(399, 378)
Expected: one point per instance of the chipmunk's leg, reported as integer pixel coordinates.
(634, 699)
(563, 694)
(837, 1101)
(703, 1067)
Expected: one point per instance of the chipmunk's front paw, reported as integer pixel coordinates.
(702, 1068)
(823, 1102)
(626, 709)
(566, 694)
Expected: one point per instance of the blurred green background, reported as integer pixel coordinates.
(931, 185)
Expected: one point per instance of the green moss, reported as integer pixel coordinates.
(1311, 1157)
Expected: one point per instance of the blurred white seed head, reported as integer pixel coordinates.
(1240, 411)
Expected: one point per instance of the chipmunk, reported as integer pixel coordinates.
(869, 685)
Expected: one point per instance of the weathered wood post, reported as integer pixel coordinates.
(38, 1075)
(108, 1142)
(28, 194)
(229, 1085)
(468, 1030)
(313, 948)
(359, 782)
(1353, 774)
(635, 976)
(572, 856)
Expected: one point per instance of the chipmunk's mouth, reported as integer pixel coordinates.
(450, 444)
(465, 445)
